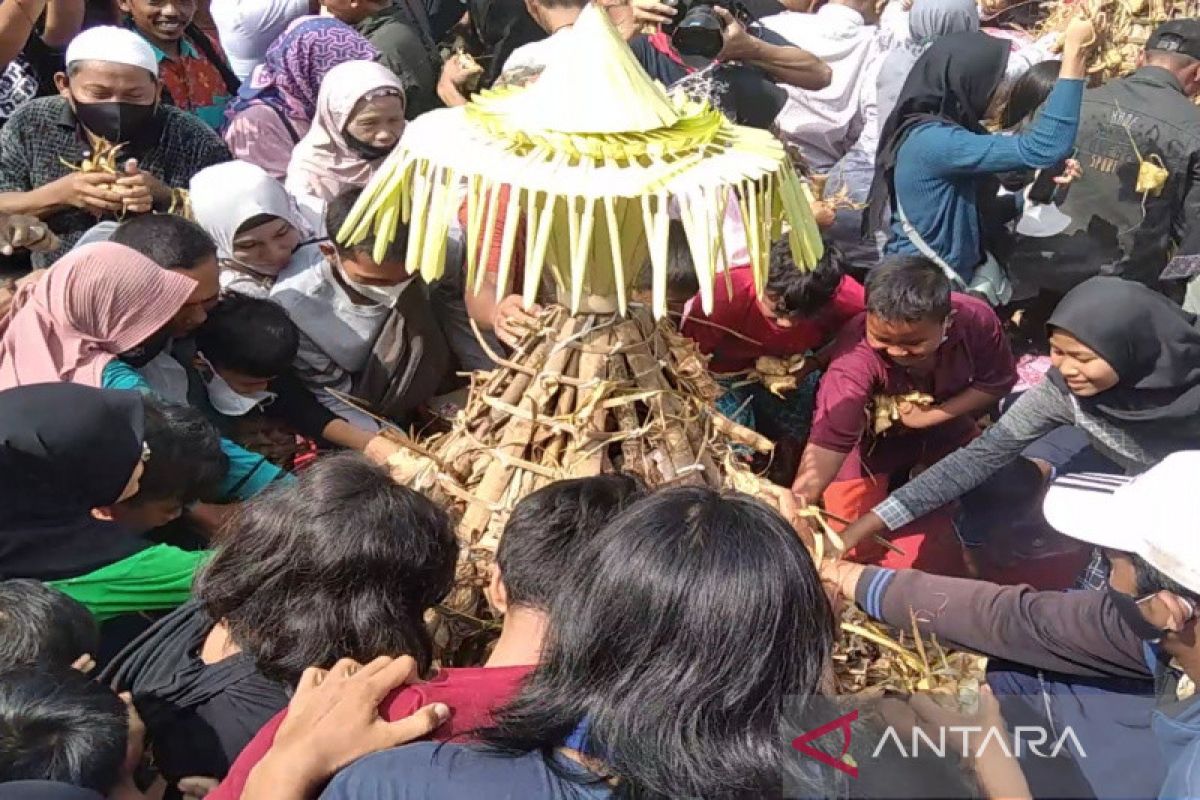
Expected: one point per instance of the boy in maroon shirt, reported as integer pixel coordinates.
(915, 336)
(799, 313)
(542, 537)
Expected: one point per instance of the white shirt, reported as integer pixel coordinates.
(539, 54)
(826, 124)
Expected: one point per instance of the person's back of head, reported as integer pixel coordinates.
(168, 240)
(681, 280)
(186, 465)
(1175, 46)
(1028, 92)
(908, 289)
(801, 293)
(344, 563)
(252, 337)
(547, 529)
(681, 628)
(56, 725)
(41, 626)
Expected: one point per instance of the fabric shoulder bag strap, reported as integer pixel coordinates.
(291, 129)
(911, 232)
(202, 43)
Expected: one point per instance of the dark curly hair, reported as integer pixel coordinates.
(344, 563)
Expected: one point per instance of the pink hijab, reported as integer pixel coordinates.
(96, 302)
(323, 165)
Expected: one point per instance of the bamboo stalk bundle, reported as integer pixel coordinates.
(1122, 28)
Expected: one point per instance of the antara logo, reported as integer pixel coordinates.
(842, 724)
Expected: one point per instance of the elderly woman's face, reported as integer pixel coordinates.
(378, 121)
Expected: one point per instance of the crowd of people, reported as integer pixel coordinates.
(211, 586)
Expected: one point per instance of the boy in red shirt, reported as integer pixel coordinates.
(915, 336)
(798, 314)
(541, 539)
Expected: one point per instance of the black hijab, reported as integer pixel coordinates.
(953, 81)
(1153, 345)
(64, 450)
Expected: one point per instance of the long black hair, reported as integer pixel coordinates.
(683, 625)
(1028, 92)
(342, 564)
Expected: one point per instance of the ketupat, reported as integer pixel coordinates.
(596, 157)
(887, 410)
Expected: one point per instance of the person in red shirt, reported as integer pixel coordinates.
(541, 540)
(799, 313)
(915, 336)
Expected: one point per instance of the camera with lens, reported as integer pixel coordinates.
(697, 30)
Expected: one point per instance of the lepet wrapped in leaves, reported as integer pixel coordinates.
(594, 154)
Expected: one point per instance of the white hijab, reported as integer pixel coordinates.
(225, 196)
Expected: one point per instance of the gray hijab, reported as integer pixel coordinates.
(928, 20)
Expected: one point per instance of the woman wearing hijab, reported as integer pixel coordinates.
(98, 302)
(275, 107)
(66, 450)
(1126, 370)
(928, 21)
(255, 223)
(343, 564)
(360, 116)
(934, 154)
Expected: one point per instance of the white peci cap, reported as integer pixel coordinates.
(113, 45)
(1152, 514)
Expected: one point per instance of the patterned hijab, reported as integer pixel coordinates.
(292, 70)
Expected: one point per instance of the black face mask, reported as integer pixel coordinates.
(118, 122)
(370, 152)
(144, 353)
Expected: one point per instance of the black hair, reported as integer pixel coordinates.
(802, 293)
(681, 270)
(168, 240)
(344, 563)
(253, 336)
(547, 529)
(39, 625)
(56, 725)
(908, 289)
(186, 462)
(1150, 580)
(1028, 92)
(676, 636)
(336, 214)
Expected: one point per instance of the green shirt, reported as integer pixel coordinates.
(159, 577)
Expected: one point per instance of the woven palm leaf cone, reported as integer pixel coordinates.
(595, 158)
(1122, 29)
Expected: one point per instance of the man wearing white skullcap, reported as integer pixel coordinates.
(109, 95)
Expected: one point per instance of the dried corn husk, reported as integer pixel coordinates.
(886, 409)
(103, 158)
(778, 375)
(595, 155)
(872, 659)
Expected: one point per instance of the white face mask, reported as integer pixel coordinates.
(1039, 220)
(384, 295)
(229, 403)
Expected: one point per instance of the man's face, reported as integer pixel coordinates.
(141, 517)
(161, 20)
(104, 82)
(905, 343)
(359, 266)
(200, 301)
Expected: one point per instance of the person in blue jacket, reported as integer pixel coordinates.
(935, 161)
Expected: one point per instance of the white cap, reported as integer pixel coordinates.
(114, 45)
(1153, 514)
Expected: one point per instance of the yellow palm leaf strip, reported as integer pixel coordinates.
(906, 656)
(512, 214)
(558, 253)
(437, 226)
(422, 188)
(491, 210)
(575, 267)
(634, 239)
(696, 239)
(535, 260)
(808, 223)
(754, 235)
(793, 207)
(388, 214)
(474, 211)
(366, 208)
(614, 246)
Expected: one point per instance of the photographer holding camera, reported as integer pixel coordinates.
(714, 33)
